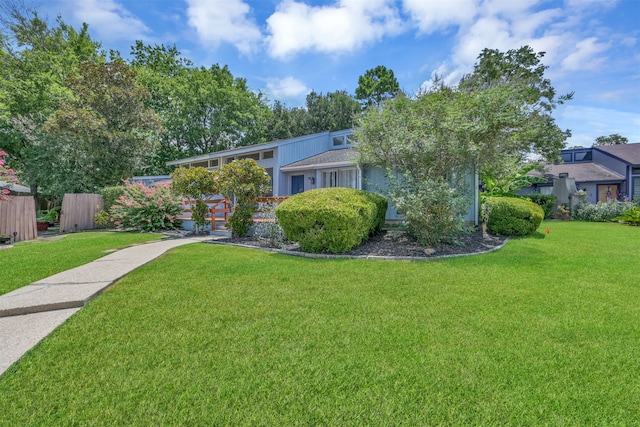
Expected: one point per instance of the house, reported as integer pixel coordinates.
(312, 161)
(605, 172)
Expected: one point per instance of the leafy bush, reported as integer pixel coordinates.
(110, 195)
(243, 180)
(146, 208)
(602, 211)
(509, 216)
(433, 210)
(331, 220)
(631, 216)
(102, 219)
(546, 201)
(195, 184)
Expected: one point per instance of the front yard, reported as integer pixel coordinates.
(543, 331)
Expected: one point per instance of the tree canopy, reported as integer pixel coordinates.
(376, 85)
(613, 139)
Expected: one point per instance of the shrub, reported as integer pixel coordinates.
(512, 217)
(546, 201)
(433, 210)
(146, 209)
(195, 184)
(243, 180)
(110, 195)
(631, 216)
(269, 229)
(331, 220)
(602, 211)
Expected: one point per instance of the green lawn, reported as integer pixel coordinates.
(545, 331)
(33, 260)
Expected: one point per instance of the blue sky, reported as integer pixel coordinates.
(286, 48)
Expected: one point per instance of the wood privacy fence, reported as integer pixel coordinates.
(78, 211)
(18, 215)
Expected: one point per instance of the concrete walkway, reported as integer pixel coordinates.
(32, 312)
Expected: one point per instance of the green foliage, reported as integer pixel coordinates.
(546, 201)
(510, 216)
(146, 209)
(195, 184)
(602, 211)
(243, 181)
(504, 179)
(110, 195)
(630, 216)
(333, 220)
(432, 209)
(613, 139)
(376, 85)
(7, 175)
(102, 218)
(48, 215)
(36, 60)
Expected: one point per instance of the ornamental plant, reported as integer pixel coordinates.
(243, 181)
(195, 184)
(146, 208)
(7, 175)
(602, 211)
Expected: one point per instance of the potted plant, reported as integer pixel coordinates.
(47, 216)
(4, 238)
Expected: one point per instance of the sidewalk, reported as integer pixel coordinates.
(30, 313)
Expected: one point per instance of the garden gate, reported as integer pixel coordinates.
(78, 211)
(18, 215)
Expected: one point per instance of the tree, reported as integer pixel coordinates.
(613, 139)
(376, 85)
(428, 144)
(7, 176)
(243, 181)
(35, 62)
(102, 135)
(195, 184)
(202, 109)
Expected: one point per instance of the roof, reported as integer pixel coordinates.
(629, 153)
(16, 188)
(581, 172)
(331, 158)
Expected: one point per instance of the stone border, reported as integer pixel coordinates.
(337, 256)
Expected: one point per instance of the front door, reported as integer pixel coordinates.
(297, 184)
(607, 193)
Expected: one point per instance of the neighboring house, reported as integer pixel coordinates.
(605, 172)
(312, 161)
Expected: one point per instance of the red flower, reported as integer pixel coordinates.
(547, 231)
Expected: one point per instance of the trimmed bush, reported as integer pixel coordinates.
(546, 201)
(333, 220)
(509, 216)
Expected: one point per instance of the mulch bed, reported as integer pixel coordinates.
(395, 243)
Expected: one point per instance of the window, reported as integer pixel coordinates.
(254, 156)
(204, 164)
(340, 178)
(338, 140)
(581, 157)
(635, 171)
(229, 160)
(636, 189)
(214, 163)
(270, 173)
(267, 154)
(566, 157)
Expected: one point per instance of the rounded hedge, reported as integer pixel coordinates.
(508, 216)
(331, 220)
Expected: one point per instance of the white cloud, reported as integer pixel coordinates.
(109, 19)
(585, 55)
(228, 21)
(594, 122)
(286, 88)
(431, 16)
(297, 27)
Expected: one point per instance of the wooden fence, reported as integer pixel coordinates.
(18, 215)
(78, 211)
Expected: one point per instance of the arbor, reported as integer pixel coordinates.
(428, 144)
(613, 139)
(376, 85)
(101, 136)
